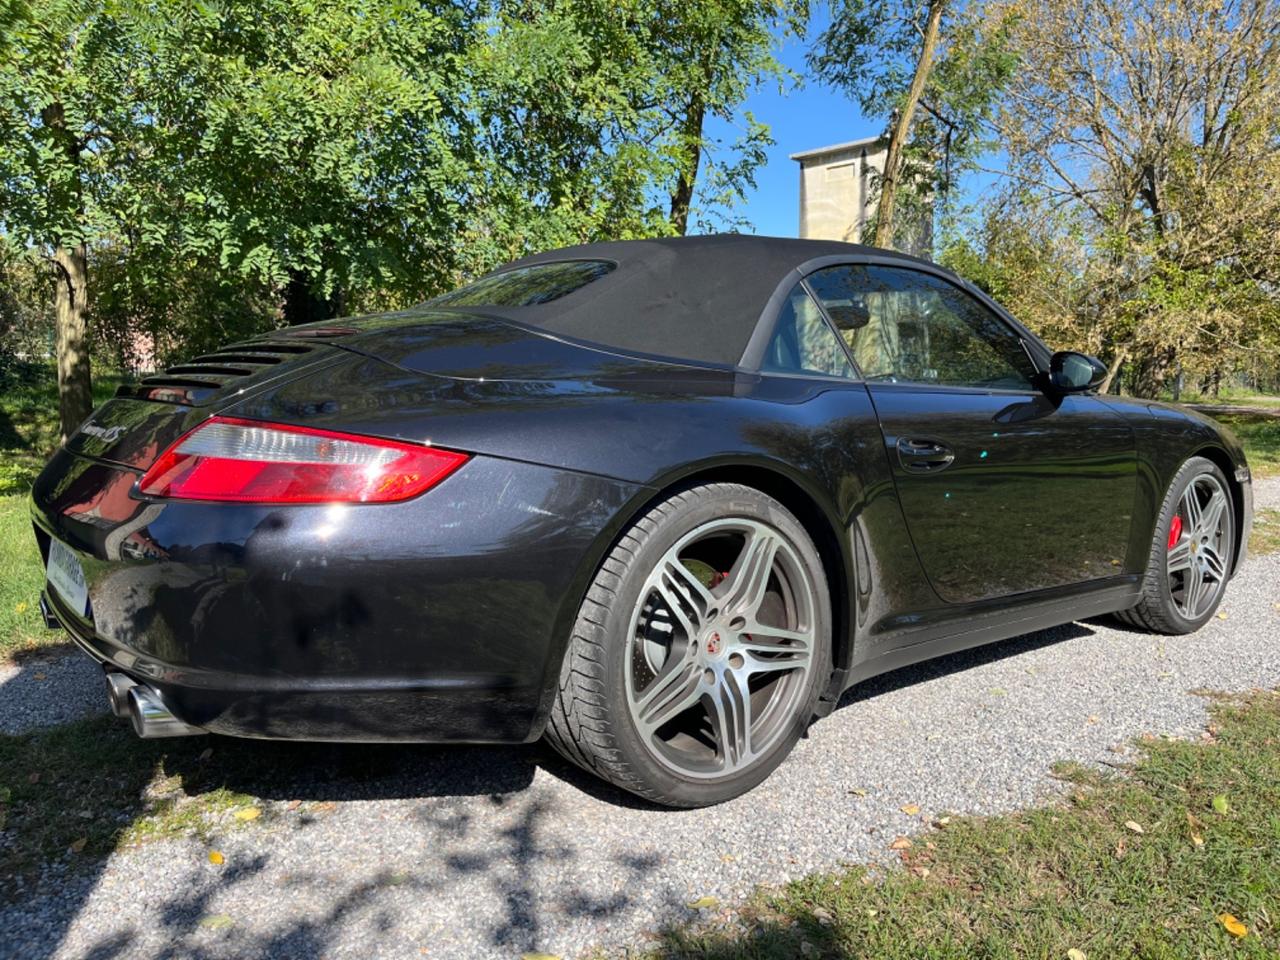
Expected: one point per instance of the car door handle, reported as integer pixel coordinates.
(924, 456)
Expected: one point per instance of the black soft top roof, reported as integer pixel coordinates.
(695, 298)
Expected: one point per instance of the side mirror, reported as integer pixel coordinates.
(1071, 372)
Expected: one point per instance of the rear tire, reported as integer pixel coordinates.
(699, 651)
(1191, 554)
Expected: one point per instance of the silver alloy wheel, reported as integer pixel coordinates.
(720, 648)
(1196, 561)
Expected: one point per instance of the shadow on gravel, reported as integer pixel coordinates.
(494, 846)
(964, 660)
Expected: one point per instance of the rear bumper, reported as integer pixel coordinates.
(439, 619)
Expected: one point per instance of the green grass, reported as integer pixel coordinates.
(1260, 434)
(1265, 537)
(28, 437)
(29, 421)
(1071, 876)
(21, 578)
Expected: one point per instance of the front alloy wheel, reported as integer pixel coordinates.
(1190, 560)
(700, 650)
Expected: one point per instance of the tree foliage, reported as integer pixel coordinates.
(871, 51)
(220, 165)
(1153, 129)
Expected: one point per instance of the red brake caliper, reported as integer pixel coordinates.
(1175, 531)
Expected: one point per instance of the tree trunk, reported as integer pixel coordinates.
(682, 195)
(901, 129)
(1113, 371)
(75, 389)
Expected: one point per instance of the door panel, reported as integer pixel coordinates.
(1035, 495)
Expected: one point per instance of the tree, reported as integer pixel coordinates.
(709, 55)
(67, 120)
(945, 58)
(1156, 128)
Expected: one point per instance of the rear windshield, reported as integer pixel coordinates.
(527, 286)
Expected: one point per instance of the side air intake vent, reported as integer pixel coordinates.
(198, 379)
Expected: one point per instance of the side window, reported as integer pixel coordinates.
(907, 325)
(803, 341)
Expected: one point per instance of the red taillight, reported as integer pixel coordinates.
(247, 461)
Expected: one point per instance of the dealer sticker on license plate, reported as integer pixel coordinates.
(66, 576)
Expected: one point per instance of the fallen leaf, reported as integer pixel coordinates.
(942, 821)
(1134, 826)
(1121, 849)
(1075, 953)
(216, 858)
(727, 857)
(293, 805)
(901, 843)
(216, 921)
(1232, 925)
(78, 845)
(41, 676)
(20, 607)
(920, 871)
(539, 956)
(1092, 718)
(872, 913)
(1220, 805)
(248, 813)
(1194, 826)
(703, 903)
(910, 809)
(206, 753)
(858, 792)
(822, 916)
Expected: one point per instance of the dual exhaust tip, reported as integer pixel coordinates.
(145, 709)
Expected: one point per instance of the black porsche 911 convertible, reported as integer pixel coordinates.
(660, 502)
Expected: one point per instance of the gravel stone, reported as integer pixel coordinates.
(49, 689)
(492, 852)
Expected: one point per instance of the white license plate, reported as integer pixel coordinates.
(66, 576)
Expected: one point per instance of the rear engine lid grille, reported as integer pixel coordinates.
(144, 418)
(198, 381)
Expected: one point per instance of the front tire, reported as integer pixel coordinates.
(699, 651)
(1190, 559)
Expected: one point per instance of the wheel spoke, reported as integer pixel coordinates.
(1180, 556)
(730, 715)
(669, 695)
(744, 588)
(687, 599)
(1193, 585)
(778, 658)
(1212, 514)
(1213, 562)
(1191, 507)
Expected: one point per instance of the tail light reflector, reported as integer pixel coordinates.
(249, 461)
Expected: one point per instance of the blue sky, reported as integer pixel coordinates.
(813, 115)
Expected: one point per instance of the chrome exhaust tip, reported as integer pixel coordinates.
(152, 719)
(118, 687)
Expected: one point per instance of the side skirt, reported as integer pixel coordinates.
(1002, 624)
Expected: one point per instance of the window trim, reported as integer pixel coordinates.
(1037, 350)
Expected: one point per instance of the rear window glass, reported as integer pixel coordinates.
(527, 286)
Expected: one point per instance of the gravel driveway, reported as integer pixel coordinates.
(473, 852)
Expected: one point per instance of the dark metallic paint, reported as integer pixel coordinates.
(446, 617)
